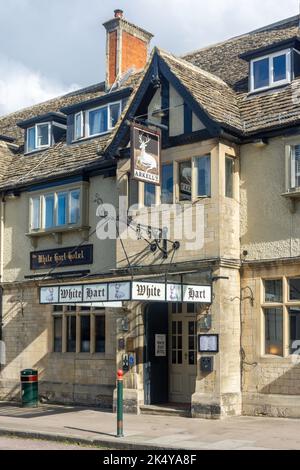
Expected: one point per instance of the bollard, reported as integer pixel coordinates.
(120, 403)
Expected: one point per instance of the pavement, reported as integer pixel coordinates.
(93, 427)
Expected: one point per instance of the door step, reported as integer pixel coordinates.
(166, 410)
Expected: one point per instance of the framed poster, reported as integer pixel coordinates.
(160, 345)
(145, 154)
(208, 343)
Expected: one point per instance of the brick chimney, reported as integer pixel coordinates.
(127, 46)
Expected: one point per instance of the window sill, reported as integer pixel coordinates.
(270, 88)
(89, 137)
(57, 233)
(33, 152)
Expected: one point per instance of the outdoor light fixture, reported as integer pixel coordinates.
(260, 143)
(159, 113)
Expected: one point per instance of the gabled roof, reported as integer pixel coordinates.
(214, 81)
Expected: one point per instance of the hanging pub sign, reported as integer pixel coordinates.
(70, 256)
(145, 154)
(112, 292)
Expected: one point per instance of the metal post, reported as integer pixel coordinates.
(120, 403)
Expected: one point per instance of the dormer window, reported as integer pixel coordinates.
(96, 121)
(270, 71)
(38, 137)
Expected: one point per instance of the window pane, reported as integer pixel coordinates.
(273, 331)
(75, 207)
(85, 333)
(35, 216)
(185, 181)
(57, 346)
(261, 73)
(98, 121)
(294, 322)
(295, 167)
(43, 135)
(100, 334)
(279, 68)
(133, 188)
(203, 170)
(191, 308)
(149, 195)
(49, 211)
(167, 184)
(229, 171)
(114, 114)
(61, 208)
(273, 290)
(294, 289)
(71, 334)
(78, 126)
(30, 139)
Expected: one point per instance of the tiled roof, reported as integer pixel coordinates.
(216, 77)
(263, 110)
(61, 159)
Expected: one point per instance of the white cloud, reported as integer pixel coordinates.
(21, 87)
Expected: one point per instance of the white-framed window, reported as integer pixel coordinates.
(55, 209)
(78, 126)
(270, 71)
(96, 121)
(293, 167)
(38, 137)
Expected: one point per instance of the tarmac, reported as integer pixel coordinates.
(94, 427)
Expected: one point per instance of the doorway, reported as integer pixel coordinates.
(156, 361)
(170, 373)
(182, 352)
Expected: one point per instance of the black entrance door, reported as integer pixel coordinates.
(156, 367)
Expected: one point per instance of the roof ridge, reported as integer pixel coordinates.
(240, 36)
(55, 98)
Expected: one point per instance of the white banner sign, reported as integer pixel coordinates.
(124, 291)
(119, 291)
(198, 294)
(69, 294)
(149, 291)
(95, 293)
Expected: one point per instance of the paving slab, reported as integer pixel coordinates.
(92, 426)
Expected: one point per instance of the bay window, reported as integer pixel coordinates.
(56, 209)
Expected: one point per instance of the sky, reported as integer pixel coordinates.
(51, 47)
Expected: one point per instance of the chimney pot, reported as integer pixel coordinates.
(118, 13)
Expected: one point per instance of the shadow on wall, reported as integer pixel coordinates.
(63, 378)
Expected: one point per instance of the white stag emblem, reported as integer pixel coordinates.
(145, 159)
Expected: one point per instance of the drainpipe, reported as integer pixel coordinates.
(2, 219)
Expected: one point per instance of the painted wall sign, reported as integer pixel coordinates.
(200, 294)
(70, 256)
(153, 291)
(160, 345)
(113, 293)
(145, 154)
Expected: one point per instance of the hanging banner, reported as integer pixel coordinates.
(145, 154)
(154, 291)
(112, 292)
(196, 294)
